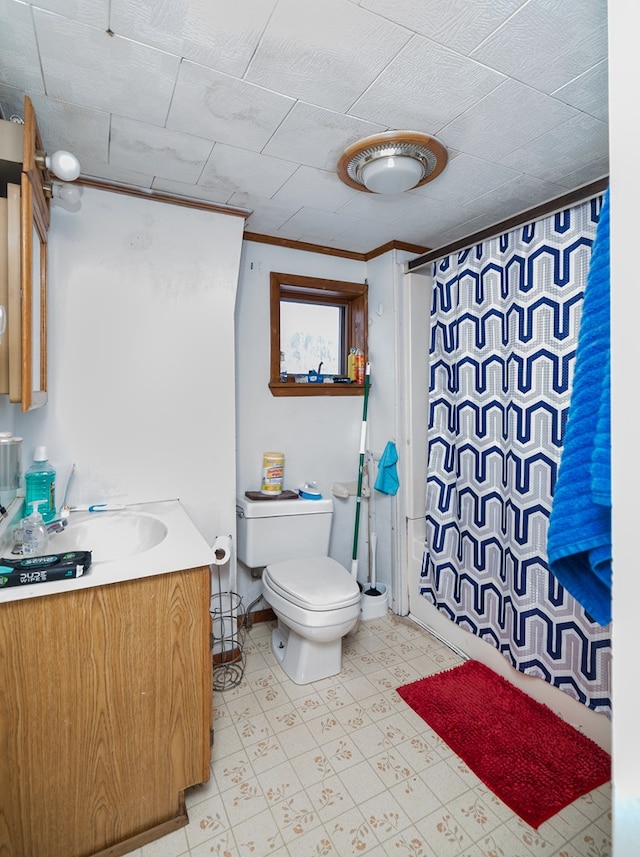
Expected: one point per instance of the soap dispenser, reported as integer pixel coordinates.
(35, 537)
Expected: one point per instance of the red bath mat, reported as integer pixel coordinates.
(532, 760)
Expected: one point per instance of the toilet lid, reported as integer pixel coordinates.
(316, 583)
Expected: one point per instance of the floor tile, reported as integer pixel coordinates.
(344, 767)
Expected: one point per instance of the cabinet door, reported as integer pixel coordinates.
(23, 360)
(4, 292)
(105, 712)
(27, 299)
(34, 229)
(14, 294)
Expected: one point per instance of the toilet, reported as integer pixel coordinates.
(315, 599)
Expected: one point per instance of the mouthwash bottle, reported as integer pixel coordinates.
(40, 486)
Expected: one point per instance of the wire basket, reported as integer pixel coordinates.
(228, 627)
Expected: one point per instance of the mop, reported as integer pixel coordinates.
(363, 443)
(373, 539)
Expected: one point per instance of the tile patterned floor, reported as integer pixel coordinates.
(344, 767)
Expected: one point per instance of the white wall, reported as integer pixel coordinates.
(624, 66)
(141, 342)
(7, 414)
(320, 436)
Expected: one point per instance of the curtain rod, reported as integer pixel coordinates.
(581, 194)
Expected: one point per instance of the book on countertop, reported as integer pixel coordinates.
(43, 569)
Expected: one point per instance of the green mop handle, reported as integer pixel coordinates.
(363, 446)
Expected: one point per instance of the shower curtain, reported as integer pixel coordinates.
(504, 326)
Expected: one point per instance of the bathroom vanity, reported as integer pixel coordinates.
(106, 703)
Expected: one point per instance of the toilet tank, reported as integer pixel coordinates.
(274, 530)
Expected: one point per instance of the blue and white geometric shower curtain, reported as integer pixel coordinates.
(504, 326)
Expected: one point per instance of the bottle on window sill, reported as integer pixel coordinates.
(360, 366)
(351, 365)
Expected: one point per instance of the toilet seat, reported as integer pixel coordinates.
(313, 583)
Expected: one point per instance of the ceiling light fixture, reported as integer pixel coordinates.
(392, 162)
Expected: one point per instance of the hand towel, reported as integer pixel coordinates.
(579, 541)
(387, 481)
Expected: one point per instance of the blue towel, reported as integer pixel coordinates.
(387, 481)
(579, 542)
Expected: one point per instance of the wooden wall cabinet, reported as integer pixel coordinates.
(105, 714)
(24, 225)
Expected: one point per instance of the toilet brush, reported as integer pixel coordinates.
(372, 590)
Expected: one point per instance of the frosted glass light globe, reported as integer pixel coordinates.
(393, 174)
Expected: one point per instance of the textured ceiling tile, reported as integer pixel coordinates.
(507, 200)
(458, 24)
(547, 43)
(386, 207)
(417, 231)
(465, 175)
(307, 222)
(12, 101)
(214, 33)
(317, 137)
(90, 68)
(427, 212)
(435, 213)
(118, 175)
(440, 237)
(191, 191)
(77, 129)
(588, 92)
(550, 158)
(136, 146)
(585, 174)
(322, 188)
(364, 235)
(19, 60)
(461, 76)
(425, 87)
(326, 53)
(234, 169)
(505, 120)
(92, 12)
(268, 216)
(225, 109)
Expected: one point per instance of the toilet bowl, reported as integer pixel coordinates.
(315, 599)
(316, 602)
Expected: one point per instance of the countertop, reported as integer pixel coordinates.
(182, 548)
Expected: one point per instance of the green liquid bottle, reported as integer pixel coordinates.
(40, 486)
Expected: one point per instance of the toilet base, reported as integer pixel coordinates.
(303, 660)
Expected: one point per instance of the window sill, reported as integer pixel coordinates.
(291, 388)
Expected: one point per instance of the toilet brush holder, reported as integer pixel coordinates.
(374, 606)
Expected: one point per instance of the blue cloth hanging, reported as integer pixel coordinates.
(387, 481)
(579, 541)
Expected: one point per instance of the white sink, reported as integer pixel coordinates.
(142, 540)
(109, 535)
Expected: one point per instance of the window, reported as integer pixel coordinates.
(314, 325)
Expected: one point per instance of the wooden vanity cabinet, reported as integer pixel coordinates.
(105, 714)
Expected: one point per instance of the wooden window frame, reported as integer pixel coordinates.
(351, 296)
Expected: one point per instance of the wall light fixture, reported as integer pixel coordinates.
(62, 164)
